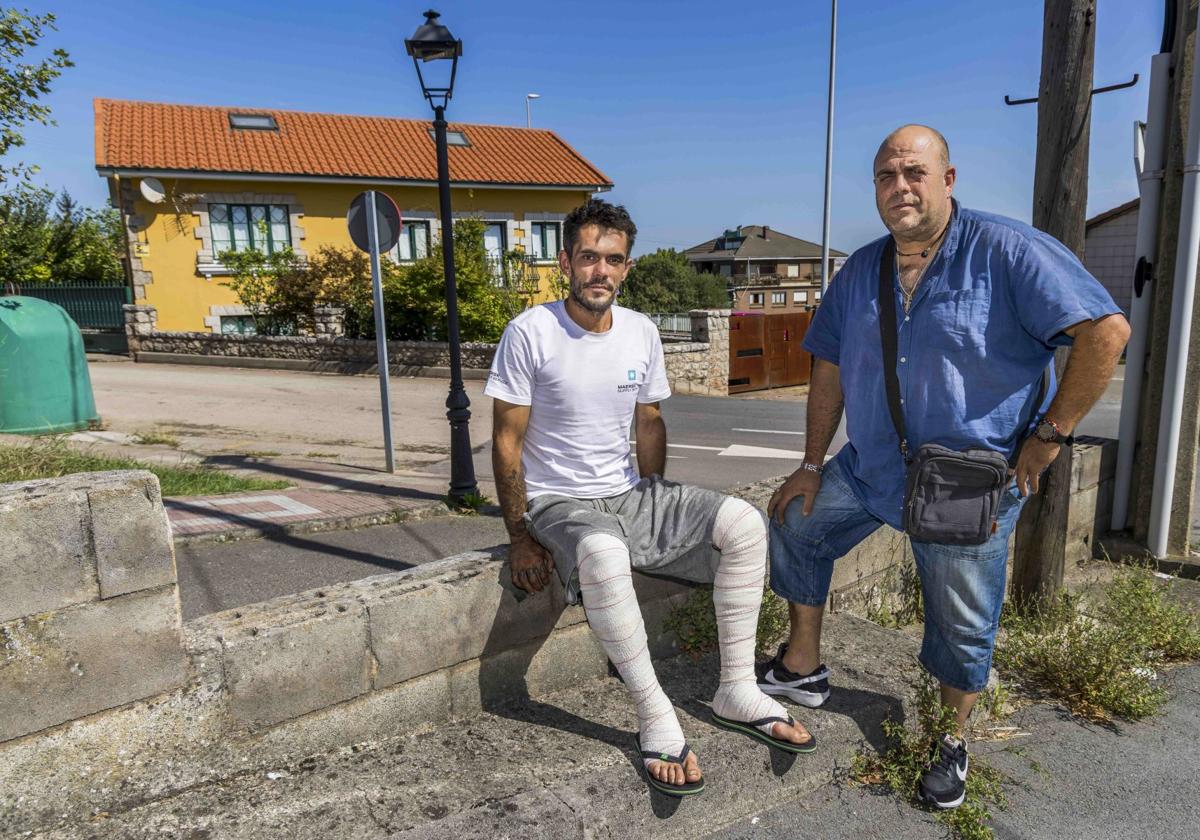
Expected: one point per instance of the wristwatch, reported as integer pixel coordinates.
(1048, 431)
(813, 468)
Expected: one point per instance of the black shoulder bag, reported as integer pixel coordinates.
(949, 497)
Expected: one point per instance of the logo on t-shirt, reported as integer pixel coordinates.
(631, 375)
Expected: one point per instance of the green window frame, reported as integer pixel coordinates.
(249, 227)
(546, 240)
(413, 243)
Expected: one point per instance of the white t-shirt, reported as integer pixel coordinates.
(581, 388)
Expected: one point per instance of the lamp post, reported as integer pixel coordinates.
(528, 96)
(433, 42)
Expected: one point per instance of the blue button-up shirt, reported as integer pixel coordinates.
(972, 348)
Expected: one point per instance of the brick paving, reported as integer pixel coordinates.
(268, 510)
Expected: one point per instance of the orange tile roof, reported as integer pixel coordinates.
(151, 136)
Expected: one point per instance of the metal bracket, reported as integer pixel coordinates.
(1010, 101)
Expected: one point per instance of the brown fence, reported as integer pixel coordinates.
(765, 351)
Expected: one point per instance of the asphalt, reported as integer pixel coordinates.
(1065, 780)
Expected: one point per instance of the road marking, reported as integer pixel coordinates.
(704, 448)
(769, 431)
(739, 450)
(288, 507)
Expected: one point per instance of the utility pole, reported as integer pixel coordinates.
(1059, 208)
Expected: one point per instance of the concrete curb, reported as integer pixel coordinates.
(314, 526)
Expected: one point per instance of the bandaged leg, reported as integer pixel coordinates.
(606, 582)
(739, 534)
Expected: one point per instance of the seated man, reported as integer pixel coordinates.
(567, 379)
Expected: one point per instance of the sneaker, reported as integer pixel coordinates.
(774, 678)
(944, 782)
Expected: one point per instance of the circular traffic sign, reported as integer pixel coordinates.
(387, 219)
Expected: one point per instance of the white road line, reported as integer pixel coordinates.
(704, 448)
(741, 451)
(769, 431)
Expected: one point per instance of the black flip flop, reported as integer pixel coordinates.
(751, 728)
(686, 789)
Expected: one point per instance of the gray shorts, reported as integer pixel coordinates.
(667, 527)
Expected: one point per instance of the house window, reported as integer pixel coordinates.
(778, 298)
(816, 295)
(766, 268)
(413, 243)
(793, 270)
(799, 297)
(453, 138)
(237, 325)
(756, 298)
(254, 122)
(726, 270)
(249, 227)
(544, 242)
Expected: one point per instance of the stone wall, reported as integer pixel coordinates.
(697, 367)
(89, 610)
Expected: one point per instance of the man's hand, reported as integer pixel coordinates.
(532, 565)
(802, 482)
(1036, 455)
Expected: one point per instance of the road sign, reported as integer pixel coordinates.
(374, 222)
(387, 219)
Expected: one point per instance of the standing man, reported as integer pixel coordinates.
(981, 302)
(567, 380)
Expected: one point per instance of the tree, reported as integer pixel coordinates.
(22, 83)
(666, 282)
(25, 233)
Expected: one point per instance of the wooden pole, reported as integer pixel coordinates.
(1059, 208)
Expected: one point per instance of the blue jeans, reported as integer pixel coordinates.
(963, 586)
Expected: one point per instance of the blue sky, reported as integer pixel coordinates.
(705, 114)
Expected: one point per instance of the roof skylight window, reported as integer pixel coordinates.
(453, 138)
(254, 122)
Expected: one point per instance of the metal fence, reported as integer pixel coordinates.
(672, 322)
(90, 304)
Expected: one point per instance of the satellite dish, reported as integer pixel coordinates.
(152, 190)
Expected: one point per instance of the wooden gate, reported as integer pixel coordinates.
(765, 351)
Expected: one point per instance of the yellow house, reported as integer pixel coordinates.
(193, 182)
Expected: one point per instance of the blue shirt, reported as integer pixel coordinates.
(982, 328)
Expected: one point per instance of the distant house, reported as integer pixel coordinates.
(194, 182)
(765, 269)
(1110, 243)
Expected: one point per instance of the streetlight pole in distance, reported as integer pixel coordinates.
(828, 149)
(528, 96)
(433, 42)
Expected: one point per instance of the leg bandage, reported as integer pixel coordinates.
(739, 534)
(606, 581)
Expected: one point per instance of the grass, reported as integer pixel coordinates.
(320, 454)
(694, 622)
(1099, 658)
(261, 453)
(897, 601)
(52, 458)
(469, 503)
(154, 437)
(905, 755)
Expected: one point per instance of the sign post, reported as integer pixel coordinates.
(374, 222)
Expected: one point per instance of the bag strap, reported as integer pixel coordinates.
(887, 336)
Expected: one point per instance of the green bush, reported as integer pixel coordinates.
(666, 282)
(694, 622)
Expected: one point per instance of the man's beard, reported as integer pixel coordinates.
(593, 306)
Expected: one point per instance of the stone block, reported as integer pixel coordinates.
(473, 613)
(1093, 461)
(45, 561)
(59, 666)
(131, 536)
(531, 670)
(882, 550)
(1081, 513)
(294, 656)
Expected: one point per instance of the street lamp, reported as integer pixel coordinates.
(433, 42)
(528, 96)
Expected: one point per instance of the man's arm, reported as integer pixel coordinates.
(825, 404)
(1094, 354)
(530, 563)
(651, 433)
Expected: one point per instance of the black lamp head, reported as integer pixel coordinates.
(433, 42)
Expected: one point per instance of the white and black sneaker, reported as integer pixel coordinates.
(944, 782)
(774, 678)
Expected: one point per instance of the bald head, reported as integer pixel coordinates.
(913, 139)
(913, 183)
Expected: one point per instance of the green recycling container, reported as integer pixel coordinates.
(44, 382)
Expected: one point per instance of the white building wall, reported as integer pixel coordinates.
(1108, 253)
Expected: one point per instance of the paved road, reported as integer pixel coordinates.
(1070, 781)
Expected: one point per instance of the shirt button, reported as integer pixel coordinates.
(903, 359)
(907, 318)
(902, 401)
